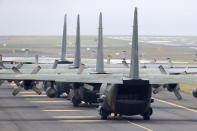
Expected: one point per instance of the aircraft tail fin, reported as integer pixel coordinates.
(77, 61)
(64, 39)
(134, 68)
(100, 60)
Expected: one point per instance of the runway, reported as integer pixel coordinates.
(30, 112)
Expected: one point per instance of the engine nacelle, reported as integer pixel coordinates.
(170, 87)
(28, 84)
(63, 87)
(155, 85)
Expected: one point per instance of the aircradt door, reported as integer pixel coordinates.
(133, 97)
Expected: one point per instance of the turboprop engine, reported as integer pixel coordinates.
(174, 87)
(55, 89)
(27, 85)
(86, 92)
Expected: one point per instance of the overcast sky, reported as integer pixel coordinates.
(45, 17)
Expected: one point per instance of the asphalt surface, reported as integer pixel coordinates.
(30, 112)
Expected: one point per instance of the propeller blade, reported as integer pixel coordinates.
(16, 90)
(108, 59)
(125, 63)
(16, 70)
(1, 59)
(81, 68)
(38, 91)
(19, 65)
(2, 66)
(1, 82)
(36, 59)
(170, 64)
(55, 64)
(177, 92)
(157, 90)
(36, 70)
(161, 68)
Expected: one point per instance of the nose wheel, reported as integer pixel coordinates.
(146, 115)
(51, 92)
(104, 113)
(75, 101)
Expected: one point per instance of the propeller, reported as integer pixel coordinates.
(81, 68)
(36, 70)
(19, 65)
(170, 64)
(16, 70)
(21, 84)
(2, 66)
(1, 82)
(175, 89)
(177, 92)
(124, 62)
(162, 70)
(108, 59)
(55, 64)
(36, 59)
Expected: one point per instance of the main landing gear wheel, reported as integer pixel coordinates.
(104, 114)
(51, 93)
(75, 101)
(147, 114)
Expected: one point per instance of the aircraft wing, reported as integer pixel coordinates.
(100, 78)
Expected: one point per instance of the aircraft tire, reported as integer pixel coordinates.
(147, 114)
(75, 102)
(104, 114)
(51, 93)
(195, 92)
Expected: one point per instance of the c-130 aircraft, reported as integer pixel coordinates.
(119, 93)
(64, 87)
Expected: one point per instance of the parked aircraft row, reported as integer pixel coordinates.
(124, 91)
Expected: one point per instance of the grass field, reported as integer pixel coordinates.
(56, 40)
(188, 88)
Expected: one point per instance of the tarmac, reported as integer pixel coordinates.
(31, 112)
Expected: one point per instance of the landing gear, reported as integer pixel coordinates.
(195, 92)
(75, 101)
(51, 92)
(104, 113)
(76, 94)
(146, 115)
